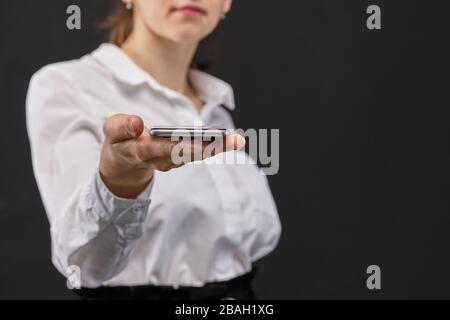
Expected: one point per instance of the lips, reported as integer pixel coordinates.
(191, 10)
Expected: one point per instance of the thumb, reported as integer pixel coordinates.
(121, 127)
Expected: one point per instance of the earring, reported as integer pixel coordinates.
(224, 16)
(129, 5)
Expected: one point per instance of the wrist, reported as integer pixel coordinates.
(126, 189)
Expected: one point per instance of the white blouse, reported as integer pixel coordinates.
(202, 222)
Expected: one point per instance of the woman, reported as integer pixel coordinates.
(136, 225)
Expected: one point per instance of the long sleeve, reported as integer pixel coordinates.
(90, 227)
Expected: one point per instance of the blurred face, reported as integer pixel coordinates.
(182, 21)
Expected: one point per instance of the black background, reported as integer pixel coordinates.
(363, 115)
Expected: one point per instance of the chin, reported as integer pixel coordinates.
(188, 37)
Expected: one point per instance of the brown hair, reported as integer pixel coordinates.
(120, 25)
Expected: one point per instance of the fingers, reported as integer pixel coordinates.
(150, 147)
(121, 127)
(164, 164)
(234, 142)
(228, 143)
(185, 150)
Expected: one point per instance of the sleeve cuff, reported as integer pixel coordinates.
(119, 210)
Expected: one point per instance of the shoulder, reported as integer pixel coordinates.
(60, 88)
(73, 73)
(67, 85)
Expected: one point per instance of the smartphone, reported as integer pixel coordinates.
(189, 132)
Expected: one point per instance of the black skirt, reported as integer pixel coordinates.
(239, 288)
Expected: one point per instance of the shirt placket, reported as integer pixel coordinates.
(230, 212)
(223, 184)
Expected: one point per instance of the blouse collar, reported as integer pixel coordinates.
(210, 88)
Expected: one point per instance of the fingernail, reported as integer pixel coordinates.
(131, 128)
(239, 142)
